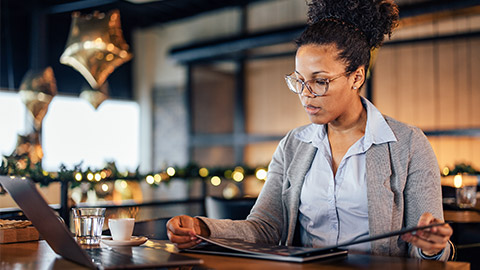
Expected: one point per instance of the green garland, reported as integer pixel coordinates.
(24, 167)
(462, 168)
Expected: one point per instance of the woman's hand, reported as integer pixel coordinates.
(431, 241)
(182, 231)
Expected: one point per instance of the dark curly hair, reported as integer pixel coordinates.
(355, 26)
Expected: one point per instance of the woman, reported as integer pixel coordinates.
(351, 173)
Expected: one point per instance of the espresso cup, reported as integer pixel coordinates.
(121, 228)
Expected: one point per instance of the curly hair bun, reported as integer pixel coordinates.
(374, 18)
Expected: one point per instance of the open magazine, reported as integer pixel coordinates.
(239, 248)
(235, 247)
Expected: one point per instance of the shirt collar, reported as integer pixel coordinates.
(308, 134)
(377, 130)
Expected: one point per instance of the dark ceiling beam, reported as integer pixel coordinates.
(228, 139)
(434, 6)
(468, 132)
(218, 47)
(454, 36)
(290, 53)
(149, 13)
(232, 45)
(78, 5)
(170, 10)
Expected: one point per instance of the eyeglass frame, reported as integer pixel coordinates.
(307, 83)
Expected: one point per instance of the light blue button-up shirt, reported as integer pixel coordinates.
(334, 209)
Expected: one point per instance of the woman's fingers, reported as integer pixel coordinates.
(179, 239)
(181, 231)
(431, 240)
(188, 245)
(441, 234)
(427, 246)
(425, 219)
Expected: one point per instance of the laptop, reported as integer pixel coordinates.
(60, 239)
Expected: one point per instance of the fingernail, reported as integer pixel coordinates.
(193, 238)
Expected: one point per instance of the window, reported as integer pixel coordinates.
(74, 132)
(12, 119)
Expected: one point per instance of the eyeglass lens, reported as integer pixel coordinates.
(317, 87)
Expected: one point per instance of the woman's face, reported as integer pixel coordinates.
(320, 61)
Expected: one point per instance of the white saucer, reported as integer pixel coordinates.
(134, 241)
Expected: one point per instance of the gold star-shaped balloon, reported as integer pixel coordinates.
(95, 96)
(37, 90)
(96, 46)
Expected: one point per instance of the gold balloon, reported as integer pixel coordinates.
(95, 96)
(95, 46)
(37, 90)
(28, 146)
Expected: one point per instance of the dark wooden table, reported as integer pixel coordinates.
(462, 216)
(38, 255)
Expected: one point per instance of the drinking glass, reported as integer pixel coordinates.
(88, 225)
(466, 196)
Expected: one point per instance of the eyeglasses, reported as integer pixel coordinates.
(317, 87)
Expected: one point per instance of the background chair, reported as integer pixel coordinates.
(220, 208)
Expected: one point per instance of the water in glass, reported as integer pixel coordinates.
(88, 229)
(88, 225)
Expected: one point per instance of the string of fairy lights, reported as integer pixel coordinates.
(237, 174)
(76, 176)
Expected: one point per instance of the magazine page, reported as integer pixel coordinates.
(256, 248)
(239, 248)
